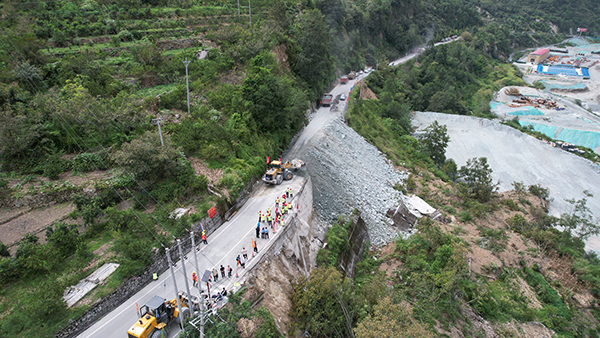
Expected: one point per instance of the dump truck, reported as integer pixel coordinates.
(158, 313)
(277, 172)
(326, 100)
(343, 79)
(352, 75)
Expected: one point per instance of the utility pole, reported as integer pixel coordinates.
(157, 122)
(238, 10)
(185, 275)
(250, 12)
(199, 293)
(187, 83)
(175, 286)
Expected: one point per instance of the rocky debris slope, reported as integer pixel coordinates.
(348, 173)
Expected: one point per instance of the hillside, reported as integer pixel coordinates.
(85, 177)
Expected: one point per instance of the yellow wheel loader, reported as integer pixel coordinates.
(277, 172)
(158, 313)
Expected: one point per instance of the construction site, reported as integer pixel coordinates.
(567, 109)
(572, 72)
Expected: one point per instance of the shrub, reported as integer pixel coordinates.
(4, 250)
(477, 175)
(539, 191)
(54, 166)
(493, 240)
(465, 216)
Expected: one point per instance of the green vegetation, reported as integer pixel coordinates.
(239, 307)
(478, 182)
(80, 83)
(434, 141)
(432, 286)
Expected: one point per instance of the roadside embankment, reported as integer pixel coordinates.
(286, 258)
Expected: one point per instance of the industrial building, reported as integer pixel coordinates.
(539, 55)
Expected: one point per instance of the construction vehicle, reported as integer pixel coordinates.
(343, 79)
(352, 75)
(158, 313)
(326, 100)
(278, 172)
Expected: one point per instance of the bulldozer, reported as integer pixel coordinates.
(157, 315)
(277, 172)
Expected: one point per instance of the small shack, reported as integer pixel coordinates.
(538, 56)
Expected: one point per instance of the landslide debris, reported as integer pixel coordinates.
(348, 173)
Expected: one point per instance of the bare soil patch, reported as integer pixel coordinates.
(213, 175)
(366, 93)
(281, 56)
(33, 222)
(86, 179)
(8, 214)
(233, 77)
(526, 291)
(390, 264)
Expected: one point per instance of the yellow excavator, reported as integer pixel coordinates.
(277, 172)
(158, 313)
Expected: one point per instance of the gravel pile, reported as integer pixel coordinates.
(348, 173)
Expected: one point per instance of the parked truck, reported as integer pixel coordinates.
(327, 100)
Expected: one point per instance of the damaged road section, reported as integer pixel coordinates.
(348, 173)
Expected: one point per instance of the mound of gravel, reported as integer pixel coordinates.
(347, 173)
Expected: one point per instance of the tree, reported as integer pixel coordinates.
(4, 250)
(390, 320)
(63, 237)
(27, 74)
(323, 304)
(314, 63)
(434, 142)
(147, 160)
(580, 221)
(477, 176)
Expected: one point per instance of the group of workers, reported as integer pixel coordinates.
(282, 206)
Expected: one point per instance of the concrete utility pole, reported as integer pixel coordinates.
(175, 286)
(157, 122)
(250, 12)
(187, 83)
(185, 275)
(238, 10)
(199, 293)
